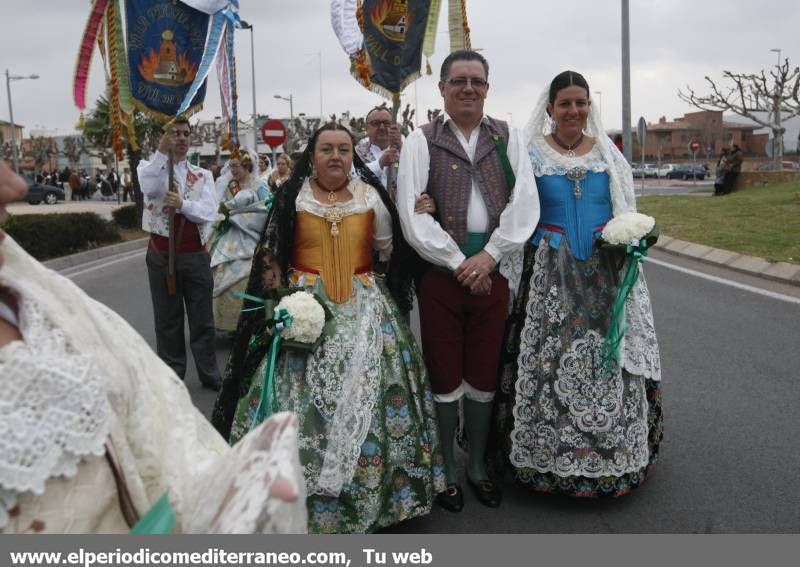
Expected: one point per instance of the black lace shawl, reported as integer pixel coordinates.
(276, 243)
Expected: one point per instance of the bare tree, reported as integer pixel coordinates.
(40, 150)
(774, 93)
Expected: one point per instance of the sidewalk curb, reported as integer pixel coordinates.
(782, 272)
(96, 254)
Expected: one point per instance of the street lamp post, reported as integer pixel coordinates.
(248, 26)
(627, 138)
(9, 78)
(288, 99)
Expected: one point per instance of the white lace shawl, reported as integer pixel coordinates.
(640, 347)
(162, 442)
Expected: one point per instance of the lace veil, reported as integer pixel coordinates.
(540, 125)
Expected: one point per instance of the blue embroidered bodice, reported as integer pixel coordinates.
(580, 219)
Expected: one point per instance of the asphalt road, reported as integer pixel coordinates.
(730, 457)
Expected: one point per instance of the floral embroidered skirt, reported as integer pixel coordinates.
(369, 442)
(564, 423)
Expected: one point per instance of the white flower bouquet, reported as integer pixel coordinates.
(629, 229)
(307, 317)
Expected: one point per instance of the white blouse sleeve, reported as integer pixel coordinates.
(518, 220)
(382, 236)
(422, 231)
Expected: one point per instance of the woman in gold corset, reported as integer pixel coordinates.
(368, 437)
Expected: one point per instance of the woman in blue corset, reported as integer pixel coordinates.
(570, 425)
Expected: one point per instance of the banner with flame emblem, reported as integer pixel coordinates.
(393, 34)
(166, 40)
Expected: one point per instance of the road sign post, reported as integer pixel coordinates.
(273, 132)
(694, 147)
(641, 133)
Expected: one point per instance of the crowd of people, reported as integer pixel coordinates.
(490, 231)
(78, 185)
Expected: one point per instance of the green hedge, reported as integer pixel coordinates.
(51, 236)
(126, 216)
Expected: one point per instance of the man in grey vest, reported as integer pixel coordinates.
(478, 173)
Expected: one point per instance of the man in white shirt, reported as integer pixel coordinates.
(477, 170)
(381, 148)
(195, 204)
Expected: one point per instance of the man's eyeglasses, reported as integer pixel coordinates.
(462, 82)
(379, 123)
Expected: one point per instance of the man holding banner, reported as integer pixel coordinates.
(195, 204)
(477, 170)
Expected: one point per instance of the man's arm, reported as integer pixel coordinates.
(422, 232)
(518, 220)
(204, 209)
(153, 175)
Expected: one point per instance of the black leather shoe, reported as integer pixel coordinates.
(487, 492)
(451, 499)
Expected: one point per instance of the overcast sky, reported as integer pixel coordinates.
(527, 42)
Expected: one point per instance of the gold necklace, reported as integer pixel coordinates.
(334, 214)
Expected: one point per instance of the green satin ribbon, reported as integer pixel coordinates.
(618, 325)
(511, 179)
(277, 321)
(281, 321)
(159, 519)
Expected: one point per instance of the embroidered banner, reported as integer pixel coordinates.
(166, 40)
(393, 34)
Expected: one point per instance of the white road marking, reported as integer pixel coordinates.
(116, 260)
(723, 281)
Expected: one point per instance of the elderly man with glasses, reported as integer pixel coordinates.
(381, 148)
(477, 171)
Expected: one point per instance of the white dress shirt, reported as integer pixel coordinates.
(199, 198)
(517, 221)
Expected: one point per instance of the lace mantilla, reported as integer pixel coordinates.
(547, 161)
(53, 411)
(604, 151)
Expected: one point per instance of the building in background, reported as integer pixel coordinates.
(669, 140)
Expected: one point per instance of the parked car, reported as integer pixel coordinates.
(47, 193)
(662, 171)
(648, 171)
(686, 171)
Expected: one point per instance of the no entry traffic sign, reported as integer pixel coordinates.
(273, 132)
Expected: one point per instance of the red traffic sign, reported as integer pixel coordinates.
(695, 145)
(273, 132)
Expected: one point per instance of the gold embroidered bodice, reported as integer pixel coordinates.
(336, 258)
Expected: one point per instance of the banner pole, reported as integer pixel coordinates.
(391, 173)
(171, 282)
